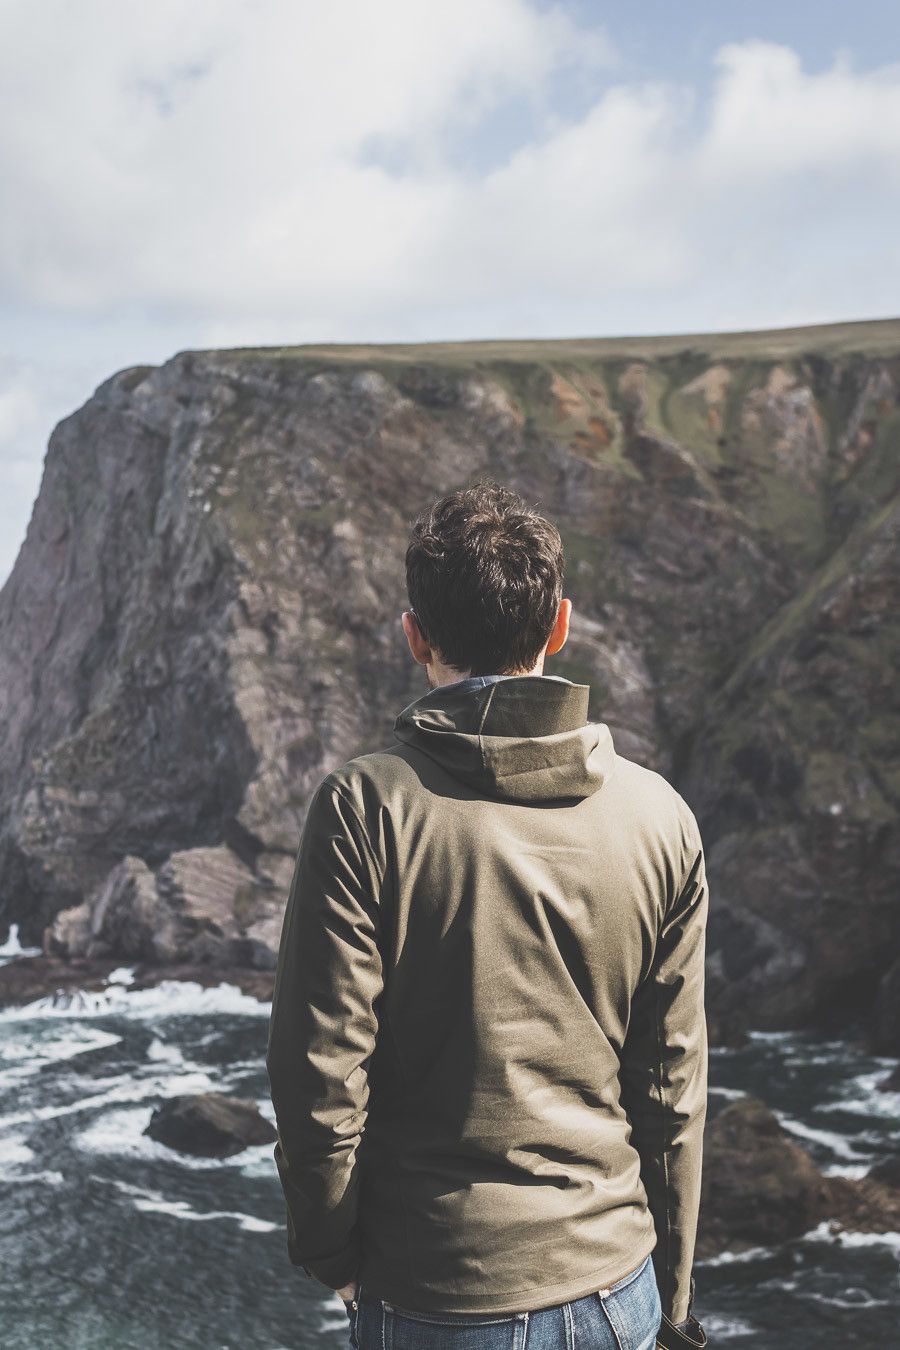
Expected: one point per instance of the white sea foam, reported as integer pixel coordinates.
(121, 975)
(863, 1299)
(850, 1297)
(726, 1328)
(787, 1286)
(153, 1202)
(45, 1178)
(852, 1170)
(27, 1055)
(12, 1152)
(731, 1094)
(863, 1095)
(162, 1052)
(728, 1258)
(803, 1059)
(169, 998)
(15, 1153)
(125, 1088)
(12, 947)
(839, 1144)
(844, 1238)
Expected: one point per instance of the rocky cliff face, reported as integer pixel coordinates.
(204, 619)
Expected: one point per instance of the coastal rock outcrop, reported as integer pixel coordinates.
(203, 905)
(760, 1187)
(203, 620)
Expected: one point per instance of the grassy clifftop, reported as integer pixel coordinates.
(868, 337)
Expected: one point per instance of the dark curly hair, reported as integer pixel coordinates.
(484, 573)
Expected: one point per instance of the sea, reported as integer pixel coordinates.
(112, 1241)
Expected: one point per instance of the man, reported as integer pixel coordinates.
(487, 1048)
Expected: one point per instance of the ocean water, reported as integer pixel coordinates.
(111, 1241)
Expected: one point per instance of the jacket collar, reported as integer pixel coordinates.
(523, 737)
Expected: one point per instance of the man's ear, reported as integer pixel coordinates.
(560, 628)
(421, 650)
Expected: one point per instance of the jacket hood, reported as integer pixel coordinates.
(525, 738)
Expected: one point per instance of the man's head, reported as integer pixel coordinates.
(484, 574)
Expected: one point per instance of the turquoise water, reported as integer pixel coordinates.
(111, 1241)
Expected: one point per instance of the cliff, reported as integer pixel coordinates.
(203, 619)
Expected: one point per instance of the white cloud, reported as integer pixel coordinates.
(220, 161)
(577, 213)
(239, 172)
(770, 118)
(253, 166)
(19, 410)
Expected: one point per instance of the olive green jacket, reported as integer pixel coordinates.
(487, 1049)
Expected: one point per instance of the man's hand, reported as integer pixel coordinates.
(348, 1292)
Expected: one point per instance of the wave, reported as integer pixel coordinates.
(169, 998)
(839, 1144)
(726, 1328)
(27, 1056)
(862, 1095)
(853, 1171)
(12, 947)
(14, 1152)
(728, 1258)
(124, 1087)
(823, 1232)
(152, 1201)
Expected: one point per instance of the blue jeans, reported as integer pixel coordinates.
(625, 1317)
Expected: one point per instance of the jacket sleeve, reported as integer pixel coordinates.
(322, 1033)
(664, 1078)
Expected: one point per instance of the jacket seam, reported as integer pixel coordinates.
(363, 832)
(665, 1141)
(387, 1020)
(484, 712)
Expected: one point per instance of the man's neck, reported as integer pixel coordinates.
(438, 676)
(478, 681)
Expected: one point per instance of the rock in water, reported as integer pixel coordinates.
(210, 1124)
(892, 1082)
(760, 1187)
(887, 1173)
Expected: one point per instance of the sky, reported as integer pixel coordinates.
(252, 172)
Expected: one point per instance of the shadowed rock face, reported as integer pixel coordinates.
(204, 619)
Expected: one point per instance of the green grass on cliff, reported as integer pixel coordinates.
(867, 337)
